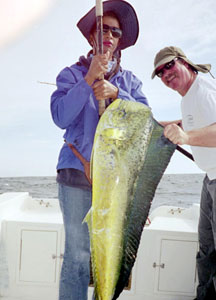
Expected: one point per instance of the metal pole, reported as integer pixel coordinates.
(99, 50)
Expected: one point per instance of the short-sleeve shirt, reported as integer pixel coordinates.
(198, 111)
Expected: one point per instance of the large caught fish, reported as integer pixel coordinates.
(129, 157)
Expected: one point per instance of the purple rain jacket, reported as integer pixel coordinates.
(75, 109)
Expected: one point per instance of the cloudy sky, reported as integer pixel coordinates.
(38, 38)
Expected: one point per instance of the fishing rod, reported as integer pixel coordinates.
(185, 152)
(99, 48)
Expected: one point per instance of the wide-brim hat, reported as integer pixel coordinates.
(167, 54)
(126, 16)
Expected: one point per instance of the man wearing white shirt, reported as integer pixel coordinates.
(197, 129)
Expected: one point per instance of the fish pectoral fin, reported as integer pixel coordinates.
(115, 133)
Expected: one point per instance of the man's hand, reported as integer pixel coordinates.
(103, 89)
(176, 135)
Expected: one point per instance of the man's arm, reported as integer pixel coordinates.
(203, 137)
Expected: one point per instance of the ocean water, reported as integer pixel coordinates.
(180, 190)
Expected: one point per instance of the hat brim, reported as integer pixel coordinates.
(204, 68)
(126, 16)
(162, 62)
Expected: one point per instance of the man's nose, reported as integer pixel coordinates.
(166, 73)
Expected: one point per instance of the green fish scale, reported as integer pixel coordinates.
(157, 158)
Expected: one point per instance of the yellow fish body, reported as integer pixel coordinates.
(126, 169)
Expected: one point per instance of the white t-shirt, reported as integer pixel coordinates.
(198, 111)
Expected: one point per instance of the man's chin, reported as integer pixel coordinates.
(173, 85)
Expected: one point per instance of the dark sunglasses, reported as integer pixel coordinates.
(116, 32)
(167, 66)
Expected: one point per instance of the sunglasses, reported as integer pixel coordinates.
(167, 66)
(116, 32)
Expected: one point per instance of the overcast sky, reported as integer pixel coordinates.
(38, 38)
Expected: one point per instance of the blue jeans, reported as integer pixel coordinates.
(206, 258)
(75, 273)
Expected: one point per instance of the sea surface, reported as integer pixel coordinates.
(180, 190)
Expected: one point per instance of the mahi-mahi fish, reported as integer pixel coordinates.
(130, 155)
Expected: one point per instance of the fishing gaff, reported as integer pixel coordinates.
(99, 50)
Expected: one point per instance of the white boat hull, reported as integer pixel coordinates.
(32, 236)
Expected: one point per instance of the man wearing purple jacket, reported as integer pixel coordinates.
(74, 108)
